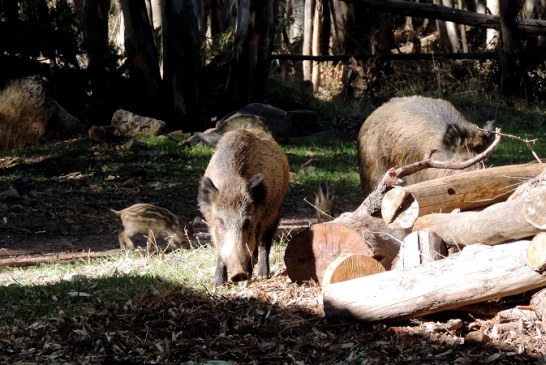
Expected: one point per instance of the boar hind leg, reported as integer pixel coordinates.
(125, 241)
(220, 276)
(264, 247)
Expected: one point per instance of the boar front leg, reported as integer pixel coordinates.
(220, 276)
(264, 247)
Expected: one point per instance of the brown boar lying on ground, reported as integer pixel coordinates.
(153, 221)
(240, 197)
(28, 116)
(404, 130)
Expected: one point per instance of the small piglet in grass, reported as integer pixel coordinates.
(151, 220)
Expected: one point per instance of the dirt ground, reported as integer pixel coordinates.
(66, 215)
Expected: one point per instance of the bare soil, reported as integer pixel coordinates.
(65, 215)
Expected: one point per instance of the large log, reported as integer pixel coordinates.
(476, 274)
(310, 252)
(495, 224)
(402, 205)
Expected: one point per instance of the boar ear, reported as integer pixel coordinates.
(452, 136)
(256, 188)
(207, 190)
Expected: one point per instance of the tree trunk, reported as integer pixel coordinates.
(511, 73)
(182, 65)
(251, 52)
(156, 19)
(308, 37)
(142, 58)
(477, 274)
(95, 42)
(316, 47)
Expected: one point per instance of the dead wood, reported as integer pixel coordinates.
(309, 253)
(536, 254)
(477, 274)
(419, 248)
(495, 224)
(72, 256)
(402, 205)
(349, 267)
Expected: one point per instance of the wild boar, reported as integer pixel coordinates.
(405, 129)
(28, 116)
(153, 221)
(240, 197)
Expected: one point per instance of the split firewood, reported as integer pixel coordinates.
(402, 205)
(476, 274)
(349, 267)
(536, 254)
(495, 224)
(419, 248)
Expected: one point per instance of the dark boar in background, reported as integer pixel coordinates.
(240, 197)
(404, 130)
(29, 117)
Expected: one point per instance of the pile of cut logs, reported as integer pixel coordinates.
(432, 246)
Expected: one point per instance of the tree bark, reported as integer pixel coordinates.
(251, 52)
(316, 46)
(182, 65)
(402, 205)
(142, 58)
(307, 37)
(477, 274)
(95, 42)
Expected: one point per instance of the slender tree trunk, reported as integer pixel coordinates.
(307, 37)
(182, 64)
(251, 51)
(509, 51)
(95, 42)
(142, 58)
(492, 35)
(317, 29)
(156, 20)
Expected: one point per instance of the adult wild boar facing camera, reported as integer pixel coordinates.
(240, 197)
(404, 130)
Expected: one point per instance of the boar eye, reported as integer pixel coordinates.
(221, 221)
(246, 224)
